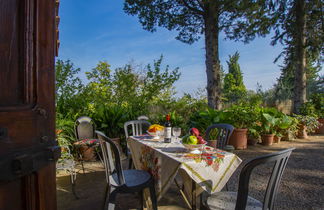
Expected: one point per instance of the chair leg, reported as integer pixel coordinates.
(141, 200)
(73, 179)
(130, 163)
(107, 191)
(226, 187)
(112, 199)
(153, 195)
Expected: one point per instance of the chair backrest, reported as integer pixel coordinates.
(111, 157)
(138, 127)
(224, 131)
(84, 128)
(142, 117)
(280, 160)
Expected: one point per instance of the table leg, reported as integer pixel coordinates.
(193, 195)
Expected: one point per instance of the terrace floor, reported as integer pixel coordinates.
(302, 185)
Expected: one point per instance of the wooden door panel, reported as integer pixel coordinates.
(15, 29)
(27, 108)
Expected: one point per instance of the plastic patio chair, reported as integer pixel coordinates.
(142, 117)
(119, 180)
(138, 127)
(240, 200)
(223, 135)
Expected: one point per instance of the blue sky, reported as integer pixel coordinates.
(97, 30)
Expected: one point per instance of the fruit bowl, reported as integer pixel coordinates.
(156, 135)
(193, 147)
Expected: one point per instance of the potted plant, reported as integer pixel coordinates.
(282, 124)
(253, 136)
(306, 125)
(267, 128)
(240, 117)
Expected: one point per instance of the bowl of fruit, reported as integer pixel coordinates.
(193, 141)
(155, 130)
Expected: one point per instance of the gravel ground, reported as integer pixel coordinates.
(302, 185)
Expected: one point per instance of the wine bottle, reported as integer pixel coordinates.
(167, 130)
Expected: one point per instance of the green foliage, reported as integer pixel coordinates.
(317, 99)
(65, 135)
(310, 122)
(99, 88)
(110, 119)
(308, 108)
(68, 87)
(268, 124)
(202, 119)
(240, 116)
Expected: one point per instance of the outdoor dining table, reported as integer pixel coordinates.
(207, 170)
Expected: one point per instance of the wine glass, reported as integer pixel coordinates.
(176, 132)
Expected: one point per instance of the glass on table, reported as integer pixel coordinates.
(176, 131)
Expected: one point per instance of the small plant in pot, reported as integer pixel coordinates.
(283, 122)
(267, 128)
(253, 136)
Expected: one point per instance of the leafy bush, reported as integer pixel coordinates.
(310, 122)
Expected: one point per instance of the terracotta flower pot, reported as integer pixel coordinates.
(212, 143)
(239, 138)
(276, 139)
(320, 129)
(267, 139)
(302, 132)
(88, 153)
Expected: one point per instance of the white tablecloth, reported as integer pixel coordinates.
(210, 169)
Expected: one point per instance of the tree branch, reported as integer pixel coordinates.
(185, 3)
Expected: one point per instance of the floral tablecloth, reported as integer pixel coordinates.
(210, 169)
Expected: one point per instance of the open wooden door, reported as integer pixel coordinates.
(28, 149)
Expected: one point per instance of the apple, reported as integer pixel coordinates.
(193, 140)
(201, 140)
(194, 131)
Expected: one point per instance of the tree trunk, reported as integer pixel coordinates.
(300, 69)
(213, 69)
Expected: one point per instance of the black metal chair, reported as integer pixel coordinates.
(122, 181)
(224, 131)
(241, 200)
(134, 128)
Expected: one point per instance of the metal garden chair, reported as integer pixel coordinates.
(240, 200)
(84, 129)
(122, 181)
(134, 128)
(67, 163)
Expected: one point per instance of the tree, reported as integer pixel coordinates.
(234, 88)
(67, 86)
(99, 88)
(299, 26)
(128, 86)
(192, 19)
